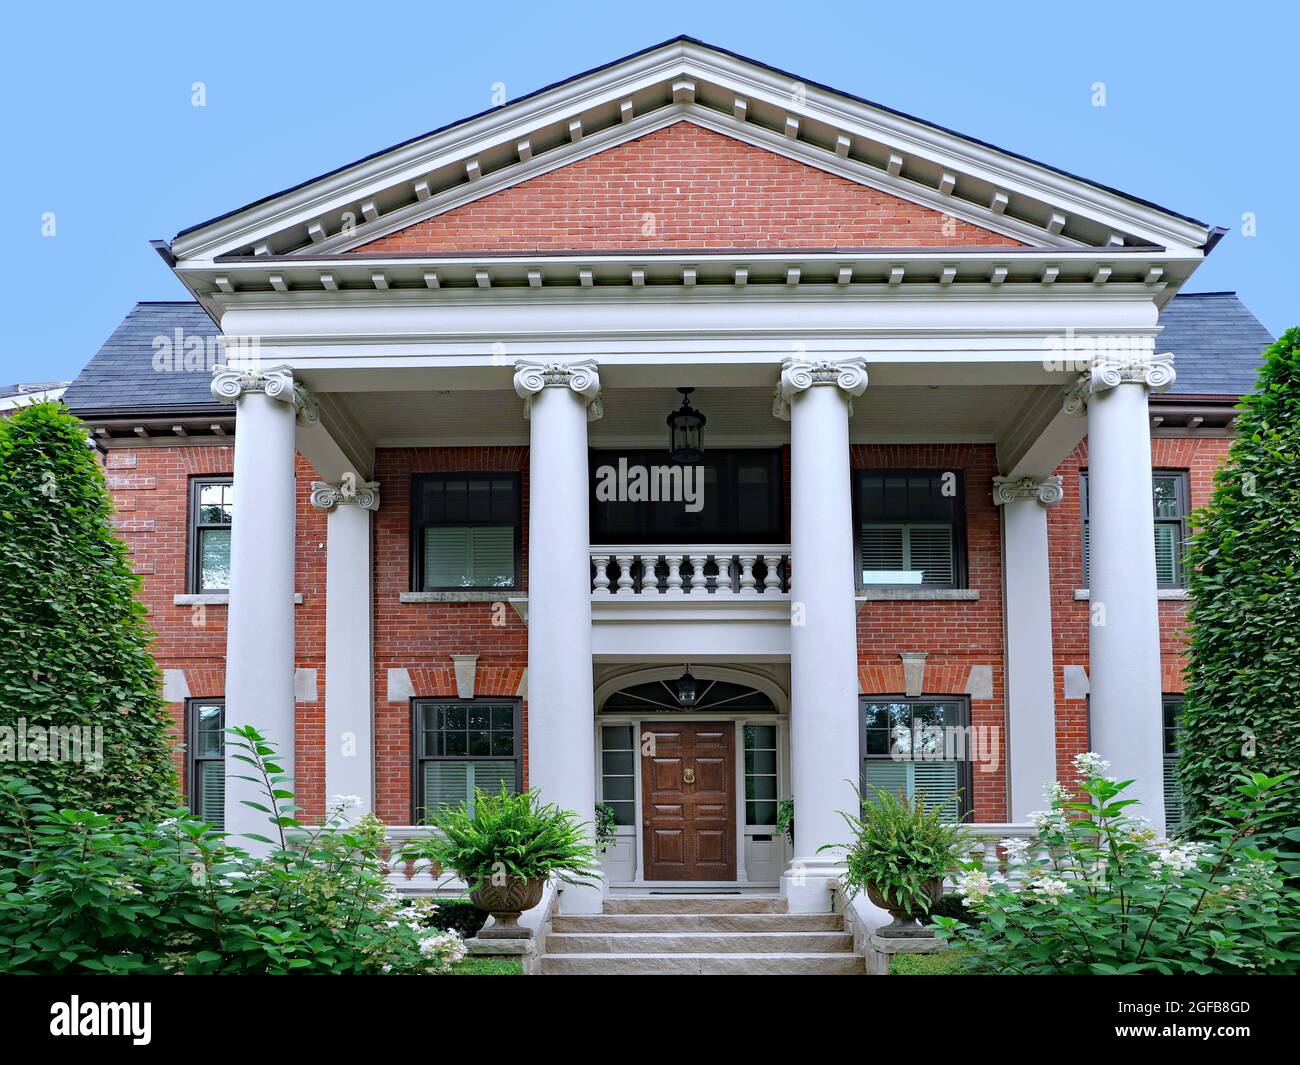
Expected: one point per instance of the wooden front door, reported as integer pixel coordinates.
(688, 800)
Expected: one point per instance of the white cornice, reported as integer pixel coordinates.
(834, 132)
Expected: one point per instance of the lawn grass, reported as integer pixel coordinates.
(944, 963)
(487, 966)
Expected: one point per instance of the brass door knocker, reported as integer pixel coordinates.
(688, 776)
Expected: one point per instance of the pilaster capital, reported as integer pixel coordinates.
(231, 383)
(798, 375)
(583, 377)
(1111, 369)
(1047, 490)
(347, 492)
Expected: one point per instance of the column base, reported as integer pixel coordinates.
(587, 898)
(808, 883)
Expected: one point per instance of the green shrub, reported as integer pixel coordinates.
(509, 835)
(82, 892)
(460, 916)
(1099, 894)
(899, 847)
(74, 650)
(1241, 712)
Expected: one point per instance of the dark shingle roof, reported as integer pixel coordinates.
(1216, 343)
(145, 364)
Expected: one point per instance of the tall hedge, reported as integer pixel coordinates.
(1242, 708)
(74, 649)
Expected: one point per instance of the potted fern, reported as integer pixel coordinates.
(900, 853)
(505, 847)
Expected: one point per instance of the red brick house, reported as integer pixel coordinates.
(418, 515)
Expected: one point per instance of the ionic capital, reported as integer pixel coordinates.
(230, 383)
(798, 375)
(1110, 370)
(1047, 490)
(347, 492)
(583, 377)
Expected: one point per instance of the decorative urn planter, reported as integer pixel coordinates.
(904, 912)
(505, 902)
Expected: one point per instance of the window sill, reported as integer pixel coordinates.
(937, 595)
(1174, 594)
(476, 595)
(214, 599)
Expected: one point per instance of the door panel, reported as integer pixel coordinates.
(689, 801)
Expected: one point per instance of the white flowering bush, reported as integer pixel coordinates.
(1098, 893)
(82, 892)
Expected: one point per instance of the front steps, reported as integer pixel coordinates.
(699, 935)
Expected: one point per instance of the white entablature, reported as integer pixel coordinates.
(686, 80)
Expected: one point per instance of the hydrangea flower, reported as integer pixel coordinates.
(1090, 764)
(1016, 848)
(1051, 887)
(1178, 858)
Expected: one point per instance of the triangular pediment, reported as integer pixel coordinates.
(683, 187)
(834, 135)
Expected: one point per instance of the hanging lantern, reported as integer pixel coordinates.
(688, 690)
(686, 432)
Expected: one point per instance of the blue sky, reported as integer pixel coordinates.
(1201, 104)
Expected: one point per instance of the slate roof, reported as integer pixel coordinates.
(1216, 343)
(121, 376)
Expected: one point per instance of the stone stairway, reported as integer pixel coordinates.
(699, 935)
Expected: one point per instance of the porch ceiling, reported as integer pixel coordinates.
(737, 416)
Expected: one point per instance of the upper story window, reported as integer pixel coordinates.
(466, 531)
(211, 512)
(205, 742)
(734, 496)
(911, 527)
(1170, 508)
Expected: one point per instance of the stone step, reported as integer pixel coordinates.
(801, 964)
(699, 922)
(698, 942)
(696, 904)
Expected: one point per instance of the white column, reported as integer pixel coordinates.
(824, 757)
(260, 623)
(349, 720)
(559, 399)
(1124, 640)
(1027, 603)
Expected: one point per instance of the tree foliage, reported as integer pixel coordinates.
(75, 662)
(1242, 708)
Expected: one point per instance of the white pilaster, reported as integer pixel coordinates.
(349, 719)
(1124, 640)
(1031, 697)
(260, 625)
(825, 763)
(559, 399)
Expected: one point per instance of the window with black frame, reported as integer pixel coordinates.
(741, 498)
(466, 531)
(1172, 710)
(911, 528)
(917, 746)
(206, 744)
(1170, 506)
(461, 745)
(211, 516)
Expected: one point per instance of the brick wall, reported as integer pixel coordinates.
(684, 187)
(150, 488)
(1200, 457)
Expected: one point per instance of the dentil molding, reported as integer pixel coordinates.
(1047, 491)
(583, 377)
(348, 492)
(798, 375)
(1105, 372)
(229, 384)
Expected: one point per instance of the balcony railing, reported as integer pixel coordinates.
(745, 570)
